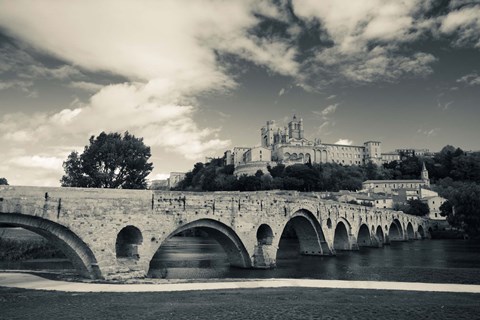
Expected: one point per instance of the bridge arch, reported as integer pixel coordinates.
(128, 240)
(421, 232)
(395, 232)
(264, 235)
(364, 238)
(231, 243)
(309, 232)
(76, 250)
(410, 232)
(341, 240)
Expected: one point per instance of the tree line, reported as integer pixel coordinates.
(451, 163)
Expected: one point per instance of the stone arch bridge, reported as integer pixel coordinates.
(111, 234)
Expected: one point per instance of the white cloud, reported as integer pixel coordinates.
(323, 127)
(444, 106)
(281, 92)
(155, 43)
(145, 110)
(331, 97)
(367, 37)
(168, 52)
(19, 70)
(22, 85)
(465, 24)
(471, 79)
(428, 132)
(326, 112)
(85, 85)
(38, 161)
(346, 142)
(62, 72)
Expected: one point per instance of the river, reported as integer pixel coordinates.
(444, 261)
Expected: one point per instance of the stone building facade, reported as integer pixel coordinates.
(288, 145)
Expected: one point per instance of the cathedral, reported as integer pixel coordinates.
(288, 145)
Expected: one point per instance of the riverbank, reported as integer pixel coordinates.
(37, 282)
(267, 303)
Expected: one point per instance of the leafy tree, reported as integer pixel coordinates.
(259, 173)
(249, 183)
(413, 206)
(277, 171)
(302, 177)
(109, 161)
(417, 207)
(463, 208)
(446, 209)
(3, 182)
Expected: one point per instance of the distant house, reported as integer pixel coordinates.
(434, 201)
(390, 186)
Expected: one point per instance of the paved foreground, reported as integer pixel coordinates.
(273, 303)
(29, 281)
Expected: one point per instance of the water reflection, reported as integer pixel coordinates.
(449, 261)
(430, 260)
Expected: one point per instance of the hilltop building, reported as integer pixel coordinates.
(288, 145)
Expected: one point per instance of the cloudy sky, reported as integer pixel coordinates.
(194, 78)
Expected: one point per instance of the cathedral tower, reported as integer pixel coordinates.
(295, 128)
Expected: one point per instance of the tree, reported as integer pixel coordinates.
(463, 206)
(3, 182)
(109, 161)
(417, 207)
(414, 207)
(277, 171)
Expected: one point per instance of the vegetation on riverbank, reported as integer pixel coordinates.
(15, 250)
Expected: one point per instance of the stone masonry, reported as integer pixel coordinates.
(113, 234)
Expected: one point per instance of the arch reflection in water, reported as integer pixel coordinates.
(214, 233)
(364, 239)
(395, 232)
(341, 241)
(77, 252)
